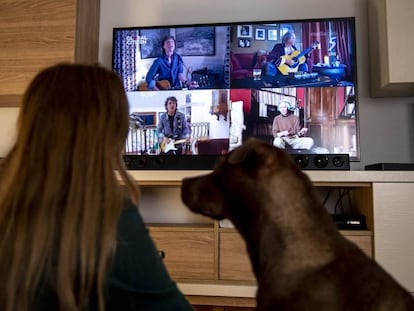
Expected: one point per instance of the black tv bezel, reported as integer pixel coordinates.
(207, 162)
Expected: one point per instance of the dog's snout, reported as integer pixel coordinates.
(188, 195)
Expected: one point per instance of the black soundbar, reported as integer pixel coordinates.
(322, 161)
(170, 162)
(207, 162)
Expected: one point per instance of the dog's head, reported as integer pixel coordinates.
(252, 174)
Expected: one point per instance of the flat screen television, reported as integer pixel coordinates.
(232, 84)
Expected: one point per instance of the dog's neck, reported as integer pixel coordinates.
(267, 233)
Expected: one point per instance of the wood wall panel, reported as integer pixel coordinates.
(34, 34)
(37, 34)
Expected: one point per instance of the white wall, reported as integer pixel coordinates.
(386, 125)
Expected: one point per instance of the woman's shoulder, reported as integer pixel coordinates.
(130, 221)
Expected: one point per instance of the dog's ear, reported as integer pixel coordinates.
(252, 154)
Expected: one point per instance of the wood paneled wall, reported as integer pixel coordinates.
(36, 34)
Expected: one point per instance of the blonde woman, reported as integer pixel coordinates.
(71, 238)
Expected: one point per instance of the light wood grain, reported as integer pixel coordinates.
(394, 230)
(319, 178)
(235, 264)
(37, 34)
(363, 241)
(221, 303)
(234, 261)
(188, 254)
(34, 34)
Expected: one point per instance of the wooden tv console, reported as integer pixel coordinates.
(210, 263)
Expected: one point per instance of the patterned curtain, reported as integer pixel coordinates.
(344, 46)
(227, 60)
(125, 47)
(316, 31)
(321, 31)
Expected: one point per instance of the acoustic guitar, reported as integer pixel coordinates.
(162, 85)
(165, 85)
(297, 57)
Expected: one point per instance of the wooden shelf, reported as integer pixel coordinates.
(180, 227)
(319, 178)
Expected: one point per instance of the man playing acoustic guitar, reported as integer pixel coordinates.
(285, 55)
(173, 129)
(167, 72)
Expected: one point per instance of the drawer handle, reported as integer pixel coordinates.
(162, 254)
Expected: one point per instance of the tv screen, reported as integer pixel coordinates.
(198, 91)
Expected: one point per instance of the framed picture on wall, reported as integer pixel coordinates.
(272, 34)
(144, 118)
(195, 41)
(260, 34)
(244, 31)
(154, 38)
(244, 43)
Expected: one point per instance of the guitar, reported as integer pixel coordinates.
(170, 144)
(297, 57)
(165, 85)
(162, 85)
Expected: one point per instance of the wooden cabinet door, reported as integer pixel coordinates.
(362, 239)
(234, 263)
(189, 254)
(394, 230)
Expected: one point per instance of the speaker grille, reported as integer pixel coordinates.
(207, 162)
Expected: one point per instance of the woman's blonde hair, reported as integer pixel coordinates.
(60, 198)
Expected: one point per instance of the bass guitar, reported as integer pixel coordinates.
(297, 57)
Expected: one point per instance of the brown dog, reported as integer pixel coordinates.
(300, 260)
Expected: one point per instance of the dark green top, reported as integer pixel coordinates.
(137, 279)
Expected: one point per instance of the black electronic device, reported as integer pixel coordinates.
(166, 162)
(207, 162)
(390, 167)
(227, 104)
(350, 221)
(322, 161)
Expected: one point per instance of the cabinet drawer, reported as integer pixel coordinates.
(235, 264)
(188, 254)
(362, 239)
(234, 261)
